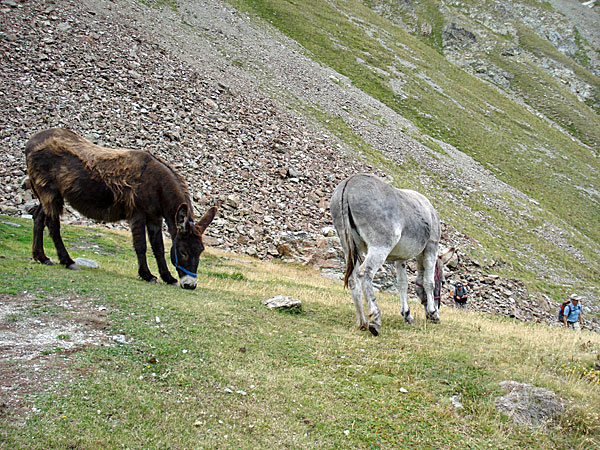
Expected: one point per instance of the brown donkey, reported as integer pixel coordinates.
(110, 185)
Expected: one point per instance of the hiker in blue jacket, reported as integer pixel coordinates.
(460, 295)
(572, 314)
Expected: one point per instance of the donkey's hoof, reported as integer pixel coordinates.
(48, 262)
(374, 329)
(362, 326)
(170, 280)
(73, 266)
(409, 319)
(433, 318)
(152, 280)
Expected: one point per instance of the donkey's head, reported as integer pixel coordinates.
(187, 244)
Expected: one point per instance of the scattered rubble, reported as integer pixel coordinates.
(35, 348)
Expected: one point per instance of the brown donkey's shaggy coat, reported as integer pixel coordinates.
(110, 185)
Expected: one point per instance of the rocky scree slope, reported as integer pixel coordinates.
(67, 64)
(124, 75)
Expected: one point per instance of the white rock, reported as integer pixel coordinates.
(120, 339)
(82, 262)
(282, 302)
(456, 402)
(328, 231)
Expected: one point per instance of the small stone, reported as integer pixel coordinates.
(82, 262)
(11, 224)
(328, 232)
(456, 402)
(63, 27)
(293, 173)
(120, 339)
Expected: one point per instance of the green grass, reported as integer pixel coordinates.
(222, 371)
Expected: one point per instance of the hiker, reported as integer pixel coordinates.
(572, 313)
(460, 295)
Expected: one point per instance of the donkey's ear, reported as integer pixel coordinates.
(444, 258)
(182, 218)
(206, 219)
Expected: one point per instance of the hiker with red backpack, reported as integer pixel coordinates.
(570, 313)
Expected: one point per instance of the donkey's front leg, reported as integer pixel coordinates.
(137, 223)
(431, 310)
(158, 248)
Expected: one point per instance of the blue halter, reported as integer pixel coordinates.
(183, 269)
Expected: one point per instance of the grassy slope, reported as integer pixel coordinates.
(309, 380)
(446, 103)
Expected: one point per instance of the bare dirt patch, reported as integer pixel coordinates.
(37, 340)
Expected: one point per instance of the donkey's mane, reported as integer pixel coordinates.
(178, 177)
(120, 169)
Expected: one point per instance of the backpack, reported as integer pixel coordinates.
(561, 312)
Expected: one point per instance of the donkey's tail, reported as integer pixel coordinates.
(346, 235)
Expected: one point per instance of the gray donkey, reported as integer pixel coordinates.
(387, 224)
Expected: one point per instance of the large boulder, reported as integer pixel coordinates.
(529, 405)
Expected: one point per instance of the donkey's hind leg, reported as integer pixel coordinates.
(373, 261)
(53, 224)
(39, 222)
(402, 280)
(357, 297)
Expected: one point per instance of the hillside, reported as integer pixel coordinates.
(98, 359)
(265, 106)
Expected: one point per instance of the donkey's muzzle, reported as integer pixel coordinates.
(187, 282)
